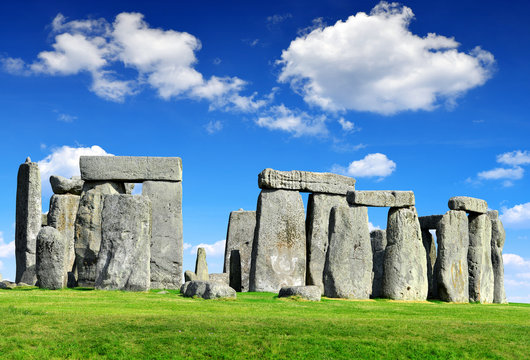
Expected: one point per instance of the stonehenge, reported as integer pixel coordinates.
(498, 236)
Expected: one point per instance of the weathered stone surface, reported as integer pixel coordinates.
(317, 226)
(309, 292)
(44, 219)
(62, 214)
(61, 185)
(129, 187)
(8, 284)
(240, 236)
(2, 285)
(28, 220)
(279, 249)
(219, 277)
(130, 168)
(306, 181)
(381, 198)
(52, 254)
(430, 250)
(166, 238)
(430, 222)
(207, 290)
(498, 236)
(481, 280)
(405, 271)
(348, 268)
(123, 261)
(378, 240)
(190, 276)
(468, 204)
(88, 228)
(201, 266)
(234, 276)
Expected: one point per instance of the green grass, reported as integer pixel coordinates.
(40, 324)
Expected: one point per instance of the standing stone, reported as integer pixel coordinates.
(405, 271)
(123, 261)
(451, 267)
(28, 221)
(279, 249)
(240, 236)
(348, 268)
(234, 276)
(44, 219)
(166, 238)
(378, 240)
(201, 266)
(88, 228)
(52, 253)
(498, 236)
(481, 281)
(430, 250)
(317, 226)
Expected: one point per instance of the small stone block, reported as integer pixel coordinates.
(381, 198)
(468, 204)
(310, 292)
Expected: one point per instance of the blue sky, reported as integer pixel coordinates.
(429, 96)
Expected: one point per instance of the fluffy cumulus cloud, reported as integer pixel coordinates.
(373, 62)
(517, 216)
(517, 278)
(372, 165)
(296, 122)
(216, 249)
(514, 160)
(6, 250)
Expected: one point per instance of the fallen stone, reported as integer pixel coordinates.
(3, 286)
(166, 238)
(430, 250)
(207, 290)
(219, 277)
(430, 222)
(279, 250)
(61, 185)
(317, 226)
(201, 266)
(9, 284)
(240, 237)
(481, 278)
(309, 292)
(348, 268)
(306, 181)
(22, 284)
(405, 270)
(28, 221)
(378, 240)
(52, 253)
(190, 276)
(498, 236)
(234, 276)
(381, 198)
(130, 168)
(123, 261)
(468, 204)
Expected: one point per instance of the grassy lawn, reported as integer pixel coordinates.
(80, 323)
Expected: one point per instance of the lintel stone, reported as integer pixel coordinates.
(381, 198)
(468, 204)
(430, 222)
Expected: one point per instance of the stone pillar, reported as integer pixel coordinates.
(235, 277)
(430, 252)
(378, 240)
(166, 239)
(124, 259)
(451, 264)
(405, 270)
(201, 266)
(498, 236)
(240, 236)
(317, 226)
(279, 249)
(348, 268)
(52, 256)
(28, 221)
(481, 281)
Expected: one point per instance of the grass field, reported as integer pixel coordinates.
(81, 323)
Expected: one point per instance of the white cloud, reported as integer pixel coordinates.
(517, 216)
(278, 18)
(186, 246)
(66, 118)
(216, 249)
(502, 173)
(6, 250)
(371, 227)
(346, 125)
(372, 165)
(515, 260)
(213, 126)
(514, 158)
(374, 63)
(295, 122)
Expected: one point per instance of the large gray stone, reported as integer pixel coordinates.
(234, 276)
(52, 254)
(166, 238)
(430, 222)
(28, 220)
(430, 250)
(481, 279)
(405, 270)
(381, 198)
(201, 266)
(207, 290)
(348, 268)
(130, 168)
(378, 240)
(239, 236)
(279, 249)
(498, 236)
(219, 277)
(306, 181)
(88, 228)
(317, 226)
(123, 261)
(44, 219)
(61, 185)
(190, 276)
(468, 204)
(309, 292)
